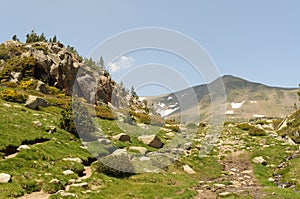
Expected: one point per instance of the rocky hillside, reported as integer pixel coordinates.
(245, 100)
(131, 152)
(56, 66)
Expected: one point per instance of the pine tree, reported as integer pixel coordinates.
(133, 93)
(15, 38)
(42, 38)
(54, 40)
(101, 63)
(32, 37)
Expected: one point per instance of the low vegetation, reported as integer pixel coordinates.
(71, 142)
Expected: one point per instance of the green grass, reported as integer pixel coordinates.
(16, 125)
(33, 169)
(147, 185)
(29, 168)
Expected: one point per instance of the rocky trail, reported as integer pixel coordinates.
(237, 179)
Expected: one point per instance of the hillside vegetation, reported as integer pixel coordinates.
(112, 149)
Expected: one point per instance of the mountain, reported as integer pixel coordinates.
(244, 100)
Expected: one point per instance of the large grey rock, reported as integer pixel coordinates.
(41, 87)
(151, 140)
(4, 178)
(33, 102)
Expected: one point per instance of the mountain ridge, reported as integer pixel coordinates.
(256, 99)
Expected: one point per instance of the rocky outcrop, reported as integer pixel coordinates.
(33, 102)
(56, 66)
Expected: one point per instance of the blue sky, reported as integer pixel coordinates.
(253, 39)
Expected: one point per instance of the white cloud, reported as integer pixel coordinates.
(121, 63)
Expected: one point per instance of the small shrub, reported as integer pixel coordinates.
(104, 112)
(245, 126)
(53, 188)
(147, 119)
(59, 102)
(18, 64)
(261, 122)
(13, 96)
(77, 122)
(9, 84)
(171, 121)
(173, 127)
(257, 132)
(276, 123)
(61, 95)
(25, 84)
(52, 90)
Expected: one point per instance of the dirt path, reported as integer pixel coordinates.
(237, 178)
(87, 174)
(36, 195)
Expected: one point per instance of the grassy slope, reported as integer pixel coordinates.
(32, 169)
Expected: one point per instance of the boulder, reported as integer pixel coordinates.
(33, 102)
(121, 137)
(4, 178)
(259, 160)
(151, 140)
(41, 87)
(15, 77)
(188, 169)
(141, 150)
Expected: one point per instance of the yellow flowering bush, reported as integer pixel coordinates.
(25, 84)
(13, 96)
